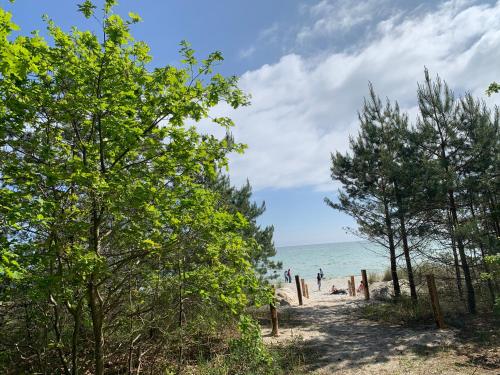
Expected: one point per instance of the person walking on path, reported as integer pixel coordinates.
(289, 276)
(319, 281)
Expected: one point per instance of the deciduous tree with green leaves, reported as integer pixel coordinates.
(116, 254)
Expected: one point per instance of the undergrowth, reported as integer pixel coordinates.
(285, 358)
(402, 311)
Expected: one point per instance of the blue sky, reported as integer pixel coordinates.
(307, 65)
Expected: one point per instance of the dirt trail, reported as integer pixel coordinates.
(341, 343)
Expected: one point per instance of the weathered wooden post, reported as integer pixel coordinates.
(303, 286)
(365, 284)
(307, 291)
(274, 315)
(299, 293)
(353, 286)
(436, 309)
(349, 288)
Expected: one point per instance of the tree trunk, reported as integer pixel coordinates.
(406, 249)
(77, 316)
(471, 297)
(494, 216)
(456, 264)
(95, 303)
(392, 251)
(94, 298)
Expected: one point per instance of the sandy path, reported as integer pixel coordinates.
(343, 344)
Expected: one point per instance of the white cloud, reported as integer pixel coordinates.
(247, 52)
(333, 16)
(268, 35)
(304, 108)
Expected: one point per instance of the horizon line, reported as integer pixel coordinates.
(321, 243)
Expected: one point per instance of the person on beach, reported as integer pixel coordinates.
(319, 281)
(361, 287)
(289, 276)
(337, 291)
(321, 273)
(286, 276)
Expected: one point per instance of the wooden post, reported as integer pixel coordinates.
(303, 286)
(353, 286)
(349, 288)
(274, 315)
(307, 291)
(436, 309)
(365, 282)
(299, 294)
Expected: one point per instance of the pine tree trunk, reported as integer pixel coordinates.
(456, 264)
(392, 252)
(471, 297)
(458, 274)
(406, 248)
(494, 217)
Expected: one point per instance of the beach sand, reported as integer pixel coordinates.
(338, 341)
(319, 296)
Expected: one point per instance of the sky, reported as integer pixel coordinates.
(307, 65)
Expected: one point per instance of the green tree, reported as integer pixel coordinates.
(444, 140)
(127, 254)
(239, 200)
(365, 175)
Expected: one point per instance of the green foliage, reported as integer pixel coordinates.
(87, 8)
(493, 88)
(238, 200)
(493, 262)
(430, 189)
(116, 242)
(248, 353)
(280, 359)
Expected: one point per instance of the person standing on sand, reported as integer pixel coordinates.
(289, 276)
(321, 273)
(286, 276)
(319, 281)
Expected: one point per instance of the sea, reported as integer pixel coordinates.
(337, 259)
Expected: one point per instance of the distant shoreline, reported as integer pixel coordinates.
(322, 243)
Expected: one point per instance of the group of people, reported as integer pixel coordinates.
(320, 276)
(334, 290)
(288, 276)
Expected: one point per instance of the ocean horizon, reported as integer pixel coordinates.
(336, 259)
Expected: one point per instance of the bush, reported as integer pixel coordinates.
(286, 358)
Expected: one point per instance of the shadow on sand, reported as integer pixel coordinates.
(336, 337)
